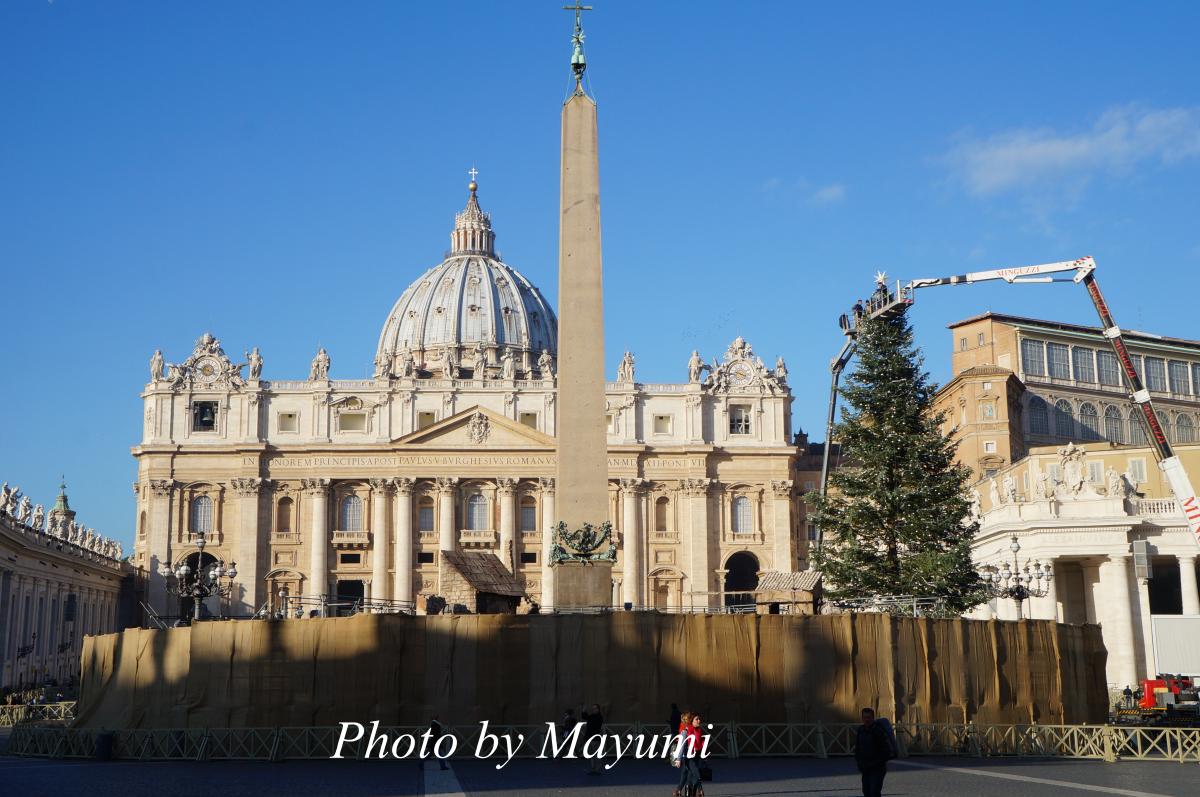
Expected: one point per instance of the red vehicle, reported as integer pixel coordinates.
(1182, 689)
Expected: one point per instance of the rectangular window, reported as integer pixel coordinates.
(962, 344)
(1110, 372)
(989, 447)
(204, 416)
(808, 486)
(425, 518)
(289, 422)
(528, 517)
(350, 558)
(1033, 357)
(424, 557)
(426, 419)
(1095, 472)
(987, 410)
(1057, 359)
(812, 532)
(980, 338)
(1156, 374)
(1137, 470)
(1178, 371)
(987, 386)
(739, 419)
(1136, 359)
(662, 424)
(1196, 379)
(352, 422)
(528, 419)
(529, 557)
(610, 424)
(1082, 360)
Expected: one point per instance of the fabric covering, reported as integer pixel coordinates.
(525, 669)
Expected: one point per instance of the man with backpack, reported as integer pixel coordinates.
(874, 746)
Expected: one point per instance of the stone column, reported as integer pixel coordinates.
(447, 533)
(695, 537)
(381, 543)
(633, 567)
(318, 541)
(549, 524)
(1187, 585)
(158, 542)
(1116, 617)
(403, 576)
(507, 493)
(782, 544)
(248, 491)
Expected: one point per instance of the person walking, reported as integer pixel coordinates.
(689, 743)
(676, 719)
(435, 732)
(872, 749)
(594, 726)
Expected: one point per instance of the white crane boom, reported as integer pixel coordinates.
(883, 304)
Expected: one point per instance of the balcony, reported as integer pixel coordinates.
(1156, 507)
(285, 538)
(351, 539)
(477, 537)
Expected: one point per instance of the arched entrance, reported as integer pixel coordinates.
(741, 577)
(348, 594)
(200, 564)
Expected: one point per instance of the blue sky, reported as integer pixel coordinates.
(278, 172)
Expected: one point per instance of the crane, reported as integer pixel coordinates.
(884, 303)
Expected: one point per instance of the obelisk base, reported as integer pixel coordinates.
(583, 586)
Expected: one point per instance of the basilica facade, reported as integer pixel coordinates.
(357, 489)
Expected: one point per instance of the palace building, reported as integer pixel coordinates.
(387, 490)
(1045, 422)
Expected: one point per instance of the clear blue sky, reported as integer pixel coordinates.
(278, 172)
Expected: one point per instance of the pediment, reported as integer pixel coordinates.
(478, 428)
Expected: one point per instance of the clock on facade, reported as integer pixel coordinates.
(740, 373)
(207, 370)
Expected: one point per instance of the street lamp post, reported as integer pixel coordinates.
(1017, 583)
(195, 585)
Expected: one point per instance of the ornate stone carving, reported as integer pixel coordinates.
(546, 484)
(380, 486)
(697, 367)
(446, 484)
(782, 488)
(207, 367)
(255, 361)
(478, 428)
(976, 510)
(1071, 459)
(314, 486)
(479, 363)
(319, 370)
(162, 487)
(545, 365)
(246, 486)
(404, 485)
(588, 544)
(508, 365)
(156, 366)
(695, 486)
(632, 486)
(505, 486)
(994, 493)
(625, 369)
(1010, 488)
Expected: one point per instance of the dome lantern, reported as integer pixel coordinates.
(472, 233)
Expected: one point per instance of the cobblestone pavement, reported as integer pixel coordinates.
(923, 777)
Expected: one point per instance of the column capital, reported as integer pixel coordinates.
(695, 486)
(505, 486)
(782, 488)
(403, 485)
(380, 486)
(633, 486)
(446, 484)
(1186, 557)
(163, 487)
(246, 487)
(315, 486)
(546, 484)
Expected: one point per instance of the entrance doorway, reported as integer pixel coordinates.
(348, 594)
(741, 577)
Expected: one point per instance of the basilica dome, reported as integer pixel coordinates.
(469, 306)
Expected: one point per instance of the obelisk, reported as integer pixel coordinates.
(582, 472)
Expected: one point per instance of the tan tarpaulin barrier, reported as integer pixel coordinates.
(526, 669)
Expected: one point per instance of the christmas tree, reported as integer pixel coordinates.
(895, 518)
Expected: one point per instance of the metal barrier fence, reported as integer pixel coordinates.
(727, 740)
(36, 712)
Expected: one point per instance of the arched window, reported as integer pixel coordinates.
(1185, 430)
(1039, 416)
(283, 516)
(1064, 420)
(528, 513)
(350, 514)
(425, 514)
(477, 514)
(1089, 421)
(202, 515)
(743, 523)
(1137, 428)
(142, 524)
(1114, 425)
(1165, 423)
(661, 507)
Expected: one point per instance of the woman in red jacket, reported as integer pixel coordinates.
(690, 745)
